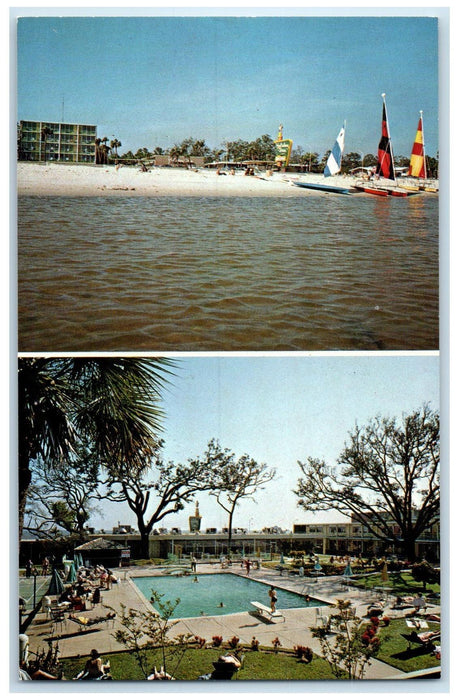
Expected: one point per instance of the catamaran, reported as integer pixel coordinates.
(332, 167)
(385, 167)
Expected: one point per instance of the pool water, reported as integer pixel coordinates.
(205, 596)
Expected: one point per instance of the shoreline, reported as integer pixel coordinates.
(79, 180)
(62, 180)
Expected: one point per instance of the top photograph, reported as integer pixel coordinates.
(227, 183)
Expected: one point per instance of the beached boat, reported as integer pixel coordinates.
(372, 190)
(332, 167)
(323, 187)
(385, 168)
(418, 159)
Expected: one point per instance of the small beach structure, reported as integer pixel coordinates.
(101, 551)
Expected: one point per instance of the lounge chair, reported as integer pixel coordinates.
(90, 622)
(426, 639)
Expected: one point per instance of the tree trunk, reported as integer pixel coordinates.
(409, 548)
(230, 532)
(24, 478)
(145, 544)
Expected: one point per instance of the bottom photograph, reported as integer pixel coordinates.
(233, 518)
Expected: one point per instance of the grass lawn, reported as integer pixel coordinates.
(257, 665)
(401, 583)
(394, 648)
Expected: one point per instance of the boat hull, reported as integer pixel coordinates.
(323, 188)
(373, 190)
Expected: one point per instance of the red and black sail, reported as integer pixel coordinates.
(385, 167)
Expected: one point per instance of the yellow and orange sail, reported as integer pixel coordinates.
(418, 160)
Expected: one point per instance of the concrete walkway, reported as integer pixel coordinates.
(295, 630)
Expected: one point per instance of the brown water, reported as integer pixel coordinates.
(156, 274)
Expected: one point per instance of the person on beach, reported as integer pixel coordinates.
(44, 566)
(94, 668)
(193, 564)
(273, 596)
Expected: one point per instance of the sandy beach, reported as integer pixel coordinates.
(58, 179)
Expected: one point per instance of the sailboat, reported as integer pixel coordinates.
(385, 167)
(417, 167)
(332, 167)
(418, 159)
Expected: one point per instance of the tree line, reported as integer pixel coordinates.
(262, 149)
(89, 433)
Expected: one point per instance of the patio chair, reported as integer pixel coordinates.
(425, 639)
(58, 619)
(90, 622)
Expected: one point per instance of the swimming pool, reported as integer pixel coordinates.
(205, 596)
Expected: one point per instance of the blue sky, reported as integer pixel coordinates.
(157, 80)
(280, 409)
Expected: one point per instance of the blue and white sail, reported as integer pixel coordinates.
(334, 159)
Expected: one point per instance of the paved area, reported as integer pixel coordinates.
(75, 640)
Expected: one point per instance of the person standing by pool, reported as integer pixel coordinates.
(193, 564)
(273, 595)
(247, 566)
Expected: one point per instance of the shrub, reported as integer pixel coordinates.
(233, 642)
(374, 621)
(217, 641)
(386, 620)
(303, 653)
(276, 644)
(200, 641)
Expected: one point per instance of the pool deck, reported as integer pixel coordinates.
(294, 630)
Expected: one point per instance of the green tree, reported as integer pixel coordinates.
(63, 494)
(157, 491)
(112, 403)
(425, 573)
(432, 166)
(114, 145)
(387, 479)
(345, 651)
(234, 479)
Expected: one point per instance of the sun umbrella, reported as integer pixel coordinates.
(55, 585)
(71, 576)
(384, 574)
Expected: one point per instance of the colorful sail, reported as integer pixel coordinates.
(418, 161)
(334, 159)
(385, 167)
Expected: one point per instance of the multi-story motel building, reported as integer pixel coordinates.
(350, 538)
(66, 143)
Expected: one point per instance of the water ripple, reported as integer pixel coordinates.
(317, 273)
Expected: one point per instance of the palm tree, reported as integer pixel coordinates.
(114, 145)
(112, 402)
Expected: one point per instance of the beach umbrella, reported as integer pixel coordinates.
(384, 574)
(71, 576)
(55, 585)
